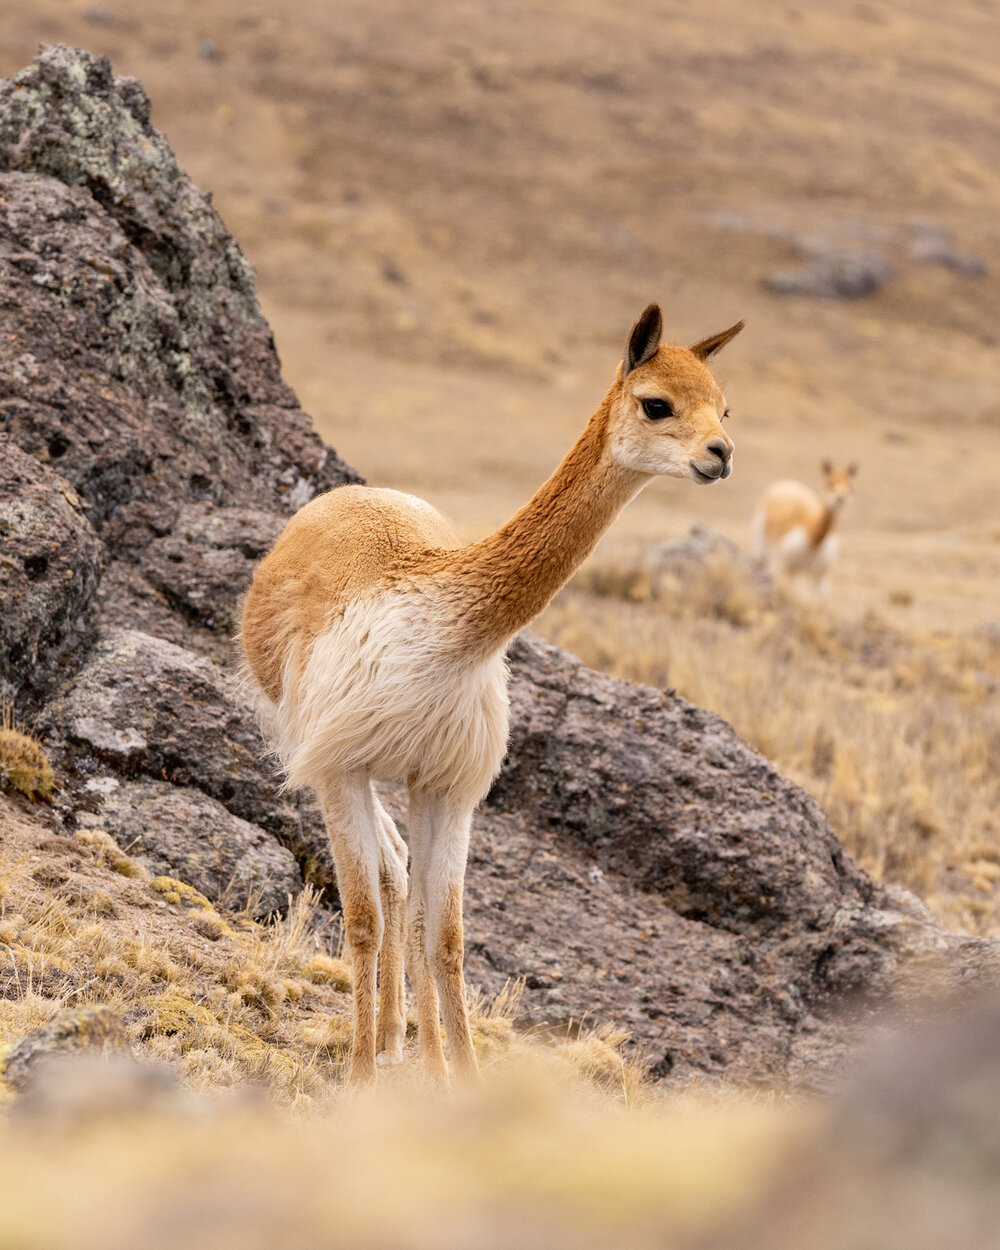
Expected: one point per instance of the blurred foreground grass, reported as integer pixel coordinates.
(535, 1156)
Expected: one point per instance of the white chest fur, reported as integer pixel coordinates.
(387, 689)
(798, 555)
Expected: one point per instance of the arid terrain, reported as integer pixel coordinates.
(455, 213)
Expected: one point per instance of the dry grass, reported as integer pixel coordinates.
(223, 1000)
(82, 923)
(532, 1157)
(23, 761)
(895, 733)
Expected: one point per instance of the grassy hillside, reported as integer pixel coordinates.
(455, 213)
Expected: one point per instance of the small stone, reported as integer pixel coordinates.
(99, 14)
(71, 1029)
(834, 275)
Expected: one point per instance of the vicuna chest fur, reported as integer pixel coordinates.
(356, 639)
(388, 687)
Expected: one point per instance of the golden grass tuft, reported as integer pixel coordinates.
(106, 850)
(24, 763)
(178, 892)
(330, 970)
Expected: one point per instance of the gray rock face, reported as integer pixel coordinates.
(206, 562)
(180, 832)
(50, 566)
(636, 862)
(671, 798)
(159, 386)
(146, 707)
(135, 360)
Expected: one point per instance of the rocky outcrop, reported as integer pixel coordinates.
(672, 799)
(135, 358)
(676, 565)
(831, 274)
(151, 449)
(636, 861)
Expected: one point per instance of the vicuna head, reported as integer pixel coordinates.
(668, 411)
(838, 483)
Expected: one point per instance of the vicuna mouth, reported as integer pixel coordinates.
(703, 478)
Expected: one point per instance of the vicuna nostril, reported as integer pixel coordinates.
(718, 448)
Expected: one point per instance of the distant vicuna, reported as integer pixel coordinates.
(378, 644)
(793, 527)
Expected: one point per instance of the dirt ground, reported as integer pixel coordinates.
(456, 212)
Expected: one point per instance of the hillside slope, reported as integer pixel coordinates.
(637, 863)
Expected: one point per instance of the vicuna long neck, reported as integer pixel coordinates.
(504, 581)
(825, 523)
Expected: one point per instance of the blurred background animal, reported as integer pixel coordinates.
(794, 527)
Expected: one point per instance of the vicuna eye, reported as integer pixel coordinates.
(657, 409)
(725, 415)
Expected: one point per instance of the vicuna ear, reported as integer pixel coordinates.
(826, 468)
(852, 470)
(644, 339)
(708, 347)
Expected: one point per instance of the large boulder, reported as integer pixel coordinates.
(636, 862)
(670, 797)
(135, 355)
(639, 862)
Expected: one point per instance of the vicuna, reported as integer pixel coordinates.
(378, 645)
(794, 527)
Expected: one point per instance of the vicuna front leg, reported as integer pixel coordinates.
(439, 846)
(348, 807)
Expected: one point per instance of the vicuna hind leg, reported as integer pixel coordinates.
(349, 813)
(417, 962)
(391, 1026)
(439, 861)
